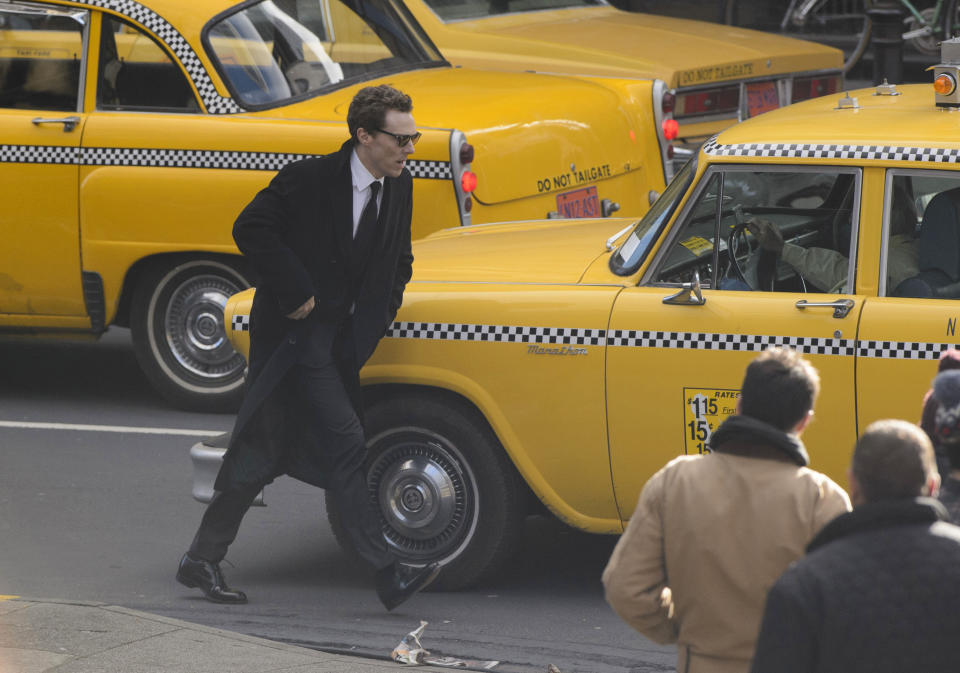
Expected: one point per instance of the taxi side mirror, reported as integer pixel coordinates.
(689, 294)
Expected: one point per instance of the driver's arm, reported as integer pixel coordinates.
(824, 268)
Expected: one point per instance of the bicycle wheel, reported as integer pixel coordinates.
(838, 23)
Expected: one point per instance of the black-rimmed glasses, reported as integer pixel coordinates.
(402, 140)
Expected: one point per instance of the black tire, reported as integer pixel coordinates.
(176, 321)
(445, 489)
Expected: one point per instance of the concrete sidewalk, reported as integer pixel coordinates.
(39, 635)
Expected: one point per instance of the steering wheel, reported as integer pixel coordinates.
(737, 234)
(766, 264)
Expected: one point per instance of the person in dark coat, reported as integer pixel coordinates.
(946, 433)
(330, 240)
(878, 589)
(949, 359)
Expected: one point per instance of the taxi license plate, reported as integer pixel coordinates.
(761, 97)
(579, 203)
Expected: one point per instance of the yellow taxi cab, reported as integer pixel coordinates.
(572, 359)
(133, 133)
(712, 75)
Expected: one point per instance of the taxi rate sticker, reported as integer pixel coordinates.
(704, 409)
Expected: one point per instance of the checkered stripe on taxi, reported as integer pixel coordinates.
(212, 100)
(618, 338)
(122, 156)
(818, 151)
(496, 333)
(728, 342)
(902, 350)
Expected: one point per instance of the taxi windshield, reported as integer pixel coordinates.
(277, 50)
(630, 255)
(453, 10)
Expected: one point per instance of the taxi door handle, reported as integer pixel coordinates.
(69, 123)
(841, 307)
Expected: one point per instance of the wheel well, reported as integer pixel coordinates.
(170, 259)
(378, 393)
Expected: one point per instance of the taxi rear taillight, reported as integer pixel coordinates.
(668, 103)
(464, 180)
(722, 100)
(805, 88)
(670, 129)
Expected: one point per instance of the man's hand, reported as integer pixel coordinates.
(767, 234)
(303, 311)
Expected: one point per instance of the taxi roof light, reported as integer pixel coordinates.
(945, 84)
(946, 75)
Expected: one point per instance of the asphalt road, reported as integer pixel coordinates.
(92, 514)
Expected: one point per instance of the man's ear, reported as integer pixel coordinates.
(853, 488)
(363, 137)
(802, 424)
(933, 485)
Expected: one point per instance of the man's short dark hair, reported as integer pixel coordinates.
(779, 388)
(369, 107)
(893, 459)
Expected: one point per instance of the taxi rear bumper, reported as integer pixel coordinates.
(207, 457)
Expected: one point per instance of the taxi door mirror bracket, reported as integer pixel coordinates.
(689, 294)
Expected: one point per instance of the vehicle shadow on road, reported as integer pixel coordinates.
(553, 554)
(106, 370)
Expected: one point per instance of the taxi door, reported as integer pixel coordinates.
(42, 60)
(679, 342)
(913, 317)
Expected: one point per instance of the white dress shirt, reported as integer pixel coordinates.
(362, 179)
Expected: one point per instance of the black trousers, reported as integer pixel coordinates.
(342, 442)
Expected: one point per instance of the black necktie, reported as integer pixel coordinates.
(368, 218)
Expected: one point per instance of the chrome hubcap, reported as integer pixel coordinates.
(194, 327)
(426, 495)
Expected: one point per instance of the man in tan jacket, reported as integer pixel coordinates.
(712, 533)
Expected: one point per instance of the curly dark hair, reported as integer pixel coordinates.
(368, 109)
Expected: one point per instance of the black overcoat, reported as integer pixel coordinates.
(297, 234)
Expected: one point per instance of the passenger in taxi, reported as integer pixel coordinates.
(827, 269)
(711, 533)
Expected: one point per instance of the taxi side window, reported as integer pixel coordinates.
(40, 55)
(921, 247)
(136, 73)
(784, 231)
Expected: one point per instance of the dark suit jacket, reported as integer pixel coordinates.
(297, 234)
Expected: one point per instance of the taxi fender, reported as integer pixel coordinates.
(451, 382)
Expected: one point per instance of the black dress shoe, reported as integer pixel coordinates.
(398, 582)
(195, 572)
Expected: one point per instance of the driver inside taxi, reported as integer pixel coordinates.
(826, 269)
